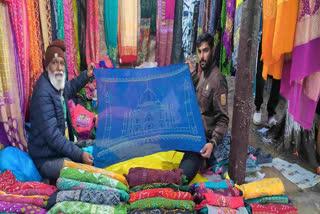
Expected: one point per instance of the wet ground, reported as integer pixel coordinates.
(307, 201)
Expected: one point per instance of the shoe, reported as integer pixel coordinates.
(257, 118)
(272, 122)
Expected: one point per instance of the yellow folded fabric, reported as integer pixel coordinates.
(89, 168)
(265, 187)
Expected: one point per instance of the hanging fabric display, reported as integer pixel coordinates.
(177, 50)
(127, 36)
(143, 40)
(206, 16)
(236, 35)
(212, 17)
(111, 28)
(11, 85)
(165, 20)
(60, 17)
(82, 20)
(54, 19)
(103, 45)
(45, 21)
(194, 33)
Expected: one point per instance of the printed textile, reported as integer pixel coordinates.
(111, 28)
(220, 201)
(37, 201)
(198, 194)
(11, 86)
(175, 187)
(158, 202)
(146, 111)
(224, 184)
(139, 175)
(76, 207)
(160, 211)
(89, 168)
(68, 184)
(44, 197)
(275, 199)
(92, 32)
(177, 50)
(23, 208)
(273, 209)
(127, 35)
(164, 33)
(9, 184)
(222, 210)
(143, 40)
(89, 196)
(90, 177)
(265, 187)
(161, 192)
(149, 10)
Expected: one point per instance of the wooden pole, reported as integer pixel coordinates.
(242, 105)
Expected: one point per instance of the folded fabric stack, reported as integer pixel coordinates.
(23, 197)
(158, 191)
(87, 189)
(217, 197)
(266, 196)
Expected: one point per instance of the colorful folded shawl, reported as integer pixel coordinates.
(277, 199)
(44, 197)
(89, 168)
(22, 199)
(222, 210)
(224, 184)
(158, 202)
(265, 187)
(89, 196)
(9, 207)
(75, 207)
(160, 211)
(10, 184)
(91, 177)
(220, 201)
(161, 192)
(198, 194)
(68, 184)
(273, 208)
(139, 175)
(159, 185)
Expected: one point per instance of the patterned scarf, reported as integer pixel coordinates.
(54, 19)
(236, 35)
(42, 197)
(127, 37)
(207, 5)
(75, 207)
(45, 21)
(37, 201)
(76, 29)
(164, 34)
(71, 55)
(198, 195)
(96, 178)
(34, 42)
(92, 32)
(276, 199)
(159, 185)
(89, 168)
(139, 175)
(223, 184)
(158, 202)
(9, 207)
(10, 184)
(103, 45)
(177, 51)
(89, 196)
(220, 201)
(111, 27)
(11, 89)
(161, 192)
(60, 19)
(273, 208)
(144, 40)
(222, 210)
(68, 184)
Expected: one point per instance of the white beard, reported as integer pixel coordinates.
(57, 81)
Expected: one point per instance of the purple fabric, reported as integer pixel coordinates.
(9, 207)
(301, 77)
(228, 32)
(139, 175)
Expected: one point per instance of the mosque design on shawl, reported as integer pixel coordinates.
(152, 120)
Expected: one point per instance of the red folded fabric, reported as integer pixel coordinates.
(273, 209)
(167, 193)
(220, 201)
(9, 184)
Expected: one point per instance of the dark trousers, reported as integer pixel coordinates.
(274, 94)
(191, 163)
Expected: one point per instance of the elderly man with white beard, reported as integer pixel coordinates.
(51, 137)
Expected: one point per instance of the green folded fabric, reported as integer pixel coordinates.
(276, 199)
(159, 202)
(175, 187)
(91, 177)
(76, 207)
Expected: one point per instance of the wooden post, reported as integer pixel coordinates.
(242, 106)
